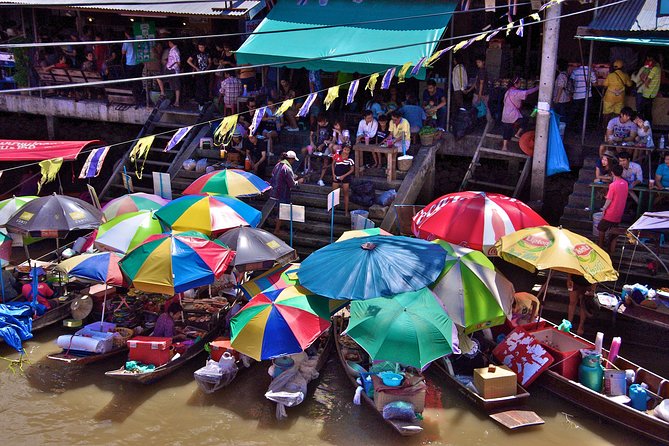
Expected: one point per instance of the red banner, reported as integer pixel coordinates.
(18, 150)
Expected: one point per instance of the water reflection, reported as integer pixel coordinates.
(60, 405)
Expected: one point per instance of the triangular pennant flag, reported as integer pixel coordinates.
(371, 82)
(519, 31)
(480, 37)
(93, 163)
(141, 150)
(492, 34)
(460, 45)
(418, 66)
(387, 78)
(285, 105)
(304, 110)
(223, 133)
(50, 169)
(333, 93)
(257, 119)
(403, 72)
(509, 27)
(352, 91)
(177, 137)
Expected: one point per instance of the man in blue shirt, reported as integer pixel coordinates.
(662, 174)
(438, 97)
(413, 113)
(132, 68)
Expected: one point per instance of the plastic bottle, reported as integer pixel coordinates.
(661, 141)
(245, 92)
(591, 372)
(247, 163)
(649, 141)
(614, 349)
(639, 396)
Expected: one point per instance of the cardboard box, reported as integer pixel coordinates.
(495, 381)
(564, 347)
(414, 395)
(150, 350)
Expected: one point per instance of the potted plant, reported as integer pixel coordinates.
(427, 134)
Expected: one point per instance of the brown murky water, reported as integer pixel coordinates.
(56, 405)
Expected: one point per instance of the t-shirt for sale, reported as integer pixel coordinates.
(620, 129)
(618, 195)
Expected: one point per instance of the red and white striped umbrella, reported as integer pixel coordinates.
(475, 220)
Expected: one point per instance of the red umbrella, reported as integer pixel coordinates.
(474, 219)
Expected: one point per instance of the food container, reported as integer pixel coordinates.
(495, 381)
(391, 379)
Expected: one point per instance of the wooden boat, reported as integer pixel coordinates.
(405, 428)
(159, 372)
(499, 409)
(58, 312)
(642, 422)
(324, 350)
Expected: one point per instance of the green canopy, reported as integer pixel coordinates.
(652, 41)
(416, 37)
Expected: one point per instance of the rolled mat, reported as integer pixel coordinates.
(73, 342)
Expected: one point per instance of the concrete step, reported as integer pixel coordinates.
(579, 212)
(573, 223)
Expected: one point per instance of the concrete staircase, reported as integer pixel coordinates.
(576, 216)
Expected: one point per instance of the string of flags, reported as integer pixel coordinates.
(224, 131)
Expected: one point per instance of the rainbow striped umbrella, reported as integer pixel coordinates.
(209, 214)
(100, 267)
(172, 263)
(277, 278)
(132, 203)
(280, 322)
(123, 233)
(233, 182)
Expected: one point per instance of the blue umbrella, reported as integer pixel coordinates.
(369, 267)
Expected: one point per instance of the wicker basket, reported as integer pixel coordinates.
(427, 140)
(125, 334)
(404, 163)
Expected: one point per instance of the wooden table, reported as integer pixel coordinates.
(391, 153)
(633, 149)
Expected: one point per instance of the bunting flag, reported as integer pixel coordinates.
(481, 37)
(93, 163)
(304, 110)
(418, 66)
(141, 150)
(284, 107)
(257, 119)
(509, 27)
(492, 34)
(352, 91)
(535, 16)
(462, 45)
(371, 83)
(403, 72)
(519, 31)
(177, 137)
(333, 93)
(387, 78)
(223, 133)
(50, 169)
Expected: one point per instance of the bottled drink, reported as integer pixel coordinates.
(245, 93)
(661, 141)
(649, 141)
(247, 163)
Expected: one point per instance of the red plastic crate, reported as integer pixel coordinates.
(220, 346)
(150, 350)
(564, 347)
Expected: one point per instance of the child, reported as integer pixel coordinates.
(382, 133)
(342, 170)
(319, 140)
(431, 114)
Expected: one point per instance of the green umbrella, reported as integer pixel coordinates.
(473, 294)
(410, 328)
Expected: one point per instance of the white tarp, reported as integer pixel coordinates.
(651, 221)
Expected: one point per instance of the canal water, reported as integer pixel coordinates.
(50, 403)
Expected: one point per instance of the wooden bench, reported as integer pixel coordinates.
(122, 96)
(391, 153)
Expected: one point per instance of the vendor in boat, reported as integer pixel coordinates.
(165, 326)
(44, 291)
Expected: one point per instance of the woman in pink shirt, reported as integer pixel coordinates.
(513, 100)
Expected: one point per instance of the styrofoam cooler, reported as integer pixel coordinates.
(596, 218)
(359, 219)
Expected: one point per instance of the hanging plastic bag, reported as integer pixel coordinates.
(556, 161)
(480, 109)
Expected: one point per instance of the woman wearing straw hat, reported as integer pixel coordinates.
(615, 84)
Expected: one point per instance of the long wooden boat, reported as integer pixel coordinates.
(78, 359)
(405, 428)
(642, 422)
(166, 369)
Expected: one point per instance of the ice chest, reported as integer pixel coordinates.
(564, 347)
(414, 394)
(150, 350)
(495, 381)
(220, 346)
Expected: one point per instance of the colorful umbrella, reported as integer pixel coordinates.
(474, 220)
(207, 214)
(409, 328)
(280, 322)
(9, 206)
(5, 246)
(172, 263)
(123, 233)
(232, 182)
(548, 247)
(54, 216)
(277, 278)
(368, 267)
(473, 294)
(132, 203)
(257, 249)
(100, 267)
(362, 233)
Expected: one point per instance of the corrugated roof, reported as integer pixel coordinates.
(234, 8)
(617, 18)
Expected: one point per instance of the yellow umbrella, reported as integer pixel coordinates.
(548, 247)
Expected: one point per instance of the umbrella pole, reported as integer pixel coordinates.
(2, 285)
(104, 306)
(25, 248)
(543, 298)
